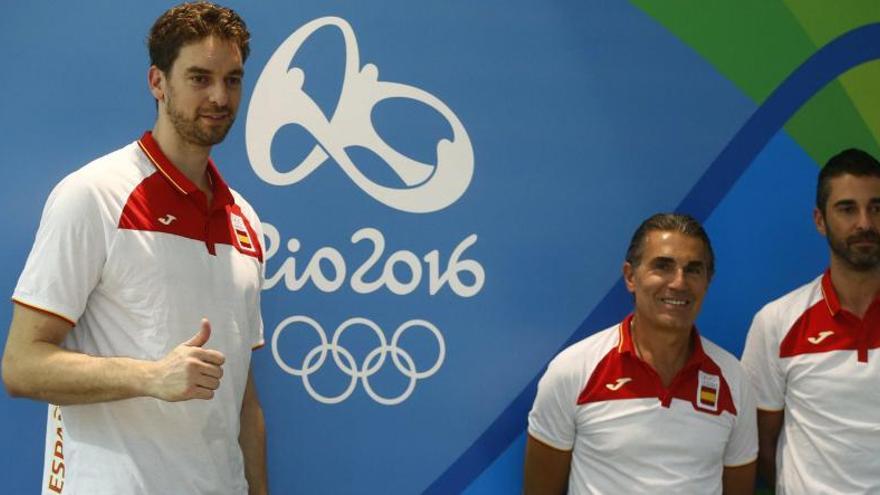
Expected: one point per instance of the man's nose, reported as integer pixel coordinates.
(219, 94)
(677, 280)
(864, 220)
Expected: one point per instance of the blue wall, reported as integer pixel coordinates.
(561, 125)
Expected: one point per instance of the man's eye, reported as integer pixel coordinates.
(694, 270)
(233, 81)
(199, 79)
(663, 265)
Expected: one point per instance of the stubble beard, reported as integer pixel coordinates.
(857, 259)
(191, 130)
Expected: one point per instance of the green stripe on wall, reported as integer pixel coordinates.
(822, 25)
(757, 43)
(823, 20)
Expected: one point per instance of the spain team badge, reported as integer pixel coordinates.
(708, 390)
(242, 238)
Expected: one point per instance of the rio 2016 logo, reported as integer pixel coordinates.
(279, 99)
(348, 364)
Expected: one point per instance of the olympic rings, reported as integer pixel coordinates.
(345, 361)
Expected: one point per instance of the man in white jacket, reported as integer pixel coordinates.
(812, 354)
(139, 305)
(648, 405)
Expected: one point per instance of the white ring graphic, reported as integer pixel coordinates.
(346, 363)
(279, 99)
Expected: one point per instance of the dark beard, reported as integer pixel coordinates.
(192, 132)
(857, 259)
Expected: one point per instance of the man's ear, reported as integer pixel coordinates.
(629, 276)
(819, 220)
(156, 81)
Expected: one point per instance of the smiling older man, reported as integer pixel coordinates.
(648, 405)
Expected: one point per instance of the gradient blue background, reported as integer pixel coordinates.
(585, 117)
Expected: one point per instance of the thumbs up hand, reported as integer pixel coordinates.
(189, 371)
(200, 338)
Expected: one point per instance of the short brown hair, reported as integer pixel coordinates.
(669, 222)
(852, 162)
(190, 22)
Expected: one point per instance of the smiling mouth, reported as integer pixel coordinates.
(677, 302)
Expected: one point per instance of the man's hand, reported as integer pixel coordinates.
(36, 366)
(189, 371)
(770, 425)
(546, 469)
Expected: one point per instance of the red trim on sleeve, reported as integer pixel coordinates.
(44, 311)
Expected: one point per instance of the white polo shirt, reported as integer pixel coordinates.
(819, 363)
(130, 252)
(631, 435)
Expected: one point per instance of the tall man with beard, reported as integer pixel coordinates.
(812, 354)
(138, 307)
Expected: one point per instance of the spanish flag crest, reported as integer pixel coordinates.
(241, 234)
(708, 390)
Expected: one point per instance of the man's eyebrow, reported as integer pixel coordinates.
(197, 70)
(203, 71)
(666, 260)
